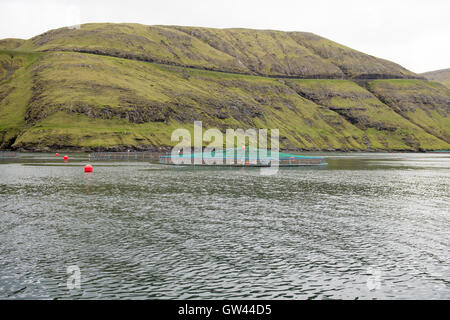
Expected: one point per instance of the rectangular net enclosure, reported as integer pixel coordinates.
(7, 154)
(242, 158)
(131, 155)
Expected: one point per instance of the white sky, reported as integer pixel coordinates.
(412, 33)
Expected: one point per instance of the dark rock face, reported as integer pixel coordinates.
(133, 113)
(422, 103)
(355, 115)
(362, 121)
(5, 141)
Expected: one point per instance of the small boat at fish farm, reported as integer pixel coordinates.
(242, 158)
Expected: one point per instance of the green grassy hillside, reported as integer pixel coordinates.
(95, 89)
(11, 43)
(83, 100)
(262, 52)
(426, 104)
(383, 127)
(442, 76)
(15, 93)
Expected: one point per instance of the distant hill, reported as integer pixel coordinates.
(11, 43)
(128, 86)
(442, 76)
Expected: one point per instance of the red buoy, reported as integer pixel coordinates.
(66, 158)
(88, 168)
(57, 154)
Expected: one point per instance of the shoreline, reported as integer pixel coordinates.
(167, 149)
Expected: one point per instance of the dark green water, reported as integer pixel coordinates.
(366, 226)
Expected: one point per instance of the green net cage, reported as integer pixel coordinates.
(241, 157)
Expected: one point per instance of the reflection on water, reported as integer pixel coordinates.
(366, 226)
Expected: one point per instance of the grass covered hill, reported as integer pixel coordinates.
(121, 86)
(11, 43)
(258, 52)
(442, 76)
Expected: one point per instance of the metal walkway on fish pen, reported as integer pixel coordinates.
(132, 155)
(8, 154)
(242, 158)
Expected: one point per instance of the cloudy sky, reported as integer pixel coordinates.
(412, 33)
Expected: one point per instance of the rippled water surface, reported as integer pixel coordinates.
(366, 226)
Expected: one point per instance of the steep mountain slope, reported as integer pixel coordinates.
(442, 76)
(15, 93)
(427, 104)
(383, 127)
(86, 89)
(354, 64)
(262, 52)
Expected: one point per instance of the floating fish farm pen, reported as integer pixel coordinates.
(242, 158)
(7, 154)
(141, 155)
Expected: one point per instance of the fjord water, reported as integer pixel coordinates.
(367, 226)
